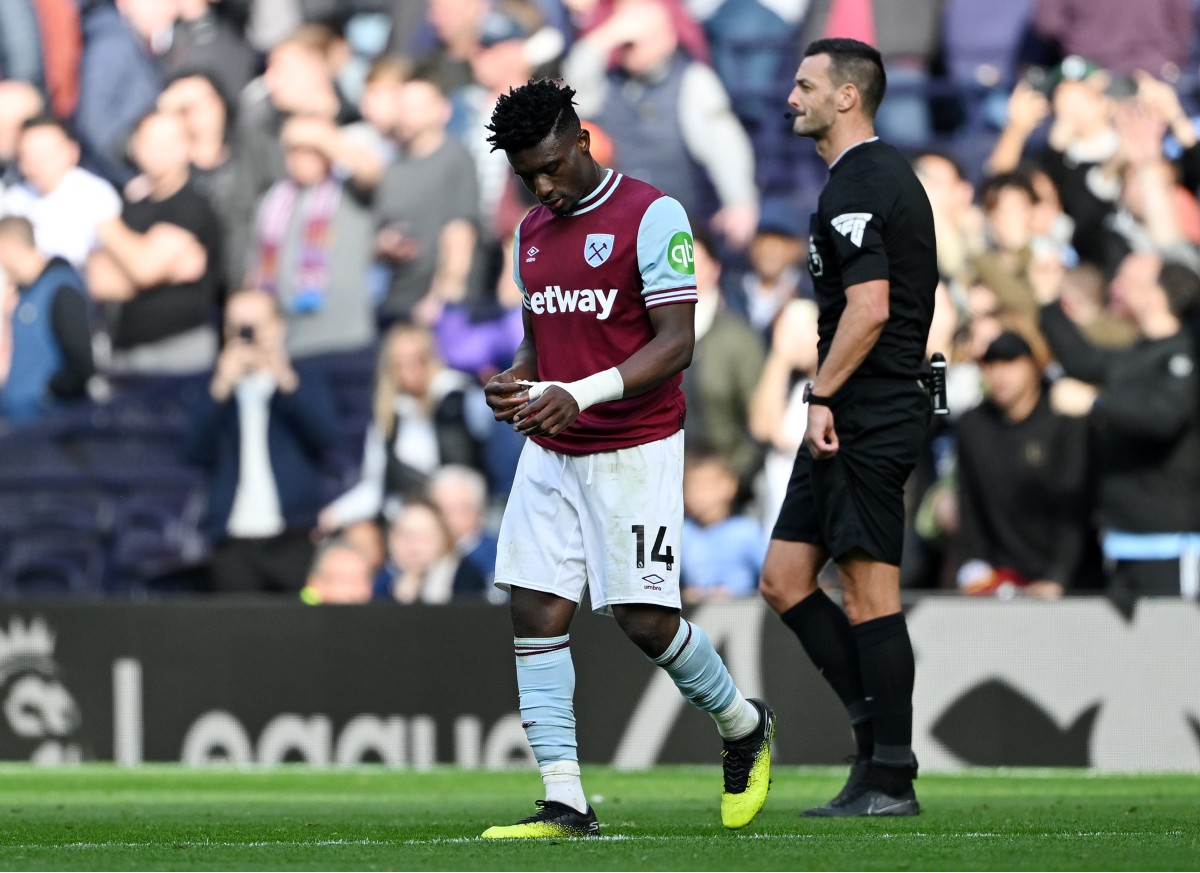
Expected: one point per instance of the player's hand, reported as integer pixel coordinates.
(505, 395)
(555, 410)
(820, 437)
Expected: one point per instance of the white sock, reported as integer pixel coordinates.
(561, 779)
(737, 720)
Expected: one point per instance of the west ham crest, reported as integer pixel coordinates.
(597, 247)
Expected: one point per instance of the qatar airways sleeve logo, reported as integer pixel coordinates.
(554, 300)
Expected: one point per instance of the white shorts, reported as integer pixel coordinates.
(611, 522)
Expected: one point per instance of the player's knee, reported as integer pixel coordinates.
(651, 630)
(782, 587)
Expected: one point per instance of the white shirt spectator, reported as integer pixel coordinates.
(256, 511)
(64, 221)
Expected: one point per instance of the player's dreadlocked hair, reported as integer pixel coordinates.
(527, 115)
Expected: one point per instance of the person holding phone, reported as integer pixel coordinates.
(262, 431)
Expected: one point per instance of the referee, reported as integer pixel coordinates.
(874, 267)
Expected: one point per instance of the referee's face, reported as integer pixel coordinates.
(812, 98)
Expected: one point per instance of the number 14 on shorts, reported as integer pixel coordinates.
(657, 554)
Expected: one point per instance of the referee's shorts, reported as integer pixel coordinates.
(855, 500)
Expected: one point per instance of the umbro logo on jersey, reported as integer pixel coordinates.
(597, 247)
(852, 225)
(531, 253)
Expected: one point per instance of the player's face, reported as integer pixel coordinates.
(559, 171)
(812, 97)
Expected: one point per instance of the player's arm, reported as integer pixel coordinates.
(507, 393)
(658, 360)
(668, 353)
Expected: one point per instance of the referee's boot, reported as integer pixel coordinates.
(868, 793)
(747, 767)
(553, 819)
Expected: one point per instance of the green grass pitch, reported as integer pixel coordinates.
(104, 818)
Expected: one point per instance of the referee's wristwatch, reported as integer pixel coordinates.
(815, 399)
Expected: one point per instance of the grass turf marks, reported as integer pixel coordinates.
(98, 817)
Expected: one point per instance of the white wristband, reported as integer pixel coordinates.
(593, 389)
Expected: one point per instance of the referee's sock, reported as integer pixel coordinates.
(824, 632)
(886, 655)
(701, 676)
(546, 683)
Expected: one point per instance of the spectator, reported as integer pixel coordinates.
(775, 256)
(726, 365)
(380, 106)
(45, 342)
(1160, 101)
(197, 100)
(367, 537)
(120, 78)
(906, 34)
(297, 81)
(263, 432)
(312, 251)
(160, 261)
(1153, 212)
(62, 201)
(340, 575)
(957, 222)
(1005, 265)
(40, 43)
(669, 117)
(587, 15)
(422, 565)
(19, 102)
(1155, 35)
(481, 339)
(1082, 140)
(1083, 299)
(457, 25)
(460, 495)
(426, 210)
(425, 416)
(1022, 481)
(778, 413)
(722, 552)
(501, 62)
(1148, 424)
(204, 43)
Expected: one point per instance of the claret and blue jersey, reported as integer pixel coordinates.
(589, 280)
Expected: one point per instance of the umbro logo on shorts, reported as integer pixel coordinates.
(653, 582)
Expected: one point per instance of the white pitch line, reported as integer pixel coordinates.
(609, 838)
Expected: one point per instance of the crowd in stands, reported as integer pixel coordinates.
(256, 254)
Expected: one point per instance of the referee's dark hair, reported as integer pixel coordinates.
(527, 115)
(855, 62)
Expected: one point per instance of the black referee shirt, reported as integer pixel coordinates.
(873, 221)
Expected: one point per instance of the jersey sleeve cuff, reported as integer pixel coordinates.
(670, 295)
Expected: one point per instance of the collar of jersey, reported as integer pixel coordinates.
(601, 193)
(850, 148)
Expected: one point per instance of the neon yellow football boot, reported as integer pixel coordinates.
(552, 820)
(747, 766)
